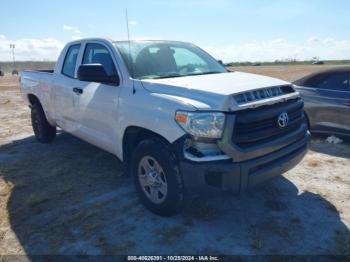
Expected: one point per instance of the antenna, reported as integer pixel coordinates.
(130, 57)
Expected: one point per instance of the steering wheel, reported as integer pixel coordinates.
(187, 68)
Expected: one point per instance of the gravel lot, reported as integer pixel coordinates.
(72, 198)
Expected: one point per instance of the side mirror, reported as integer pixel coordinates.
(96, 73)
(220, 62)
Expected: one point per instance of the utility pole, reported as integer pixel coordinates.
(12, 46)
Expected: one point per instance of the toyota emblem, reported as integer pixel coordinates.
(282, 120)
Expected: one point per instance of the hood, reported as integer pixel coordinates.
(212, 91)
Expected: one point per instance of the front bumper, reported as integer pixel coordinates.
(240, 176)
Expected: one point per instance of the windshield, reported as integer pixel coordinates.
(160, 59)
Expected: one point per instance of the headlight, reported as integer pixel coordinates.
(201, 124)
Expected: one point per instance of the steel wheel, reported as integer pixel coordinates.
(152, 179)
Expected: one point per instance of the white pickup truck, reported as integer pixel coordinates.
(173, 114)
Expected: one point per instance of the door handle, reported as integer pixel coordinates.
(77, 90)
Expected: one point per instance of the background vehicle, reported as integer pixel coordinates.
(327, 100)
(172, 114)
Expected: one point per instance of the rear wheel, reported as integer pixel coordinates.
(44, 132)
(157, 177)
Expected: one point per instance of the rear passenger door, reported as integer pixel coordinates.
(98, 102)
(334, 95)
(64, 99)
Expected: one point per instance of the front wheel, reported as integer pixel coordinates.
(157, 177)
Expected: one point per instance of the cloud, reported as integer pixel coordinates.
(133, 23)
(269, 50)
(76, 37)
(313, 39)
(343, 45)
(73, 29)
(278, 41)
(281, 49)
(30, 49)
(328, 40)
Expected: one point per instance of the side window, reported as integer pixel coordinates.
(336, 81)
(70, 61)
(99, 54)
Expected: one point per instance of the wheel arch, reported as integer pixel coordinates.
(33, 100)
(133, 135)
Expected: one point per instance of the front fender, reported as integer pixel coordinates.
(152, 111)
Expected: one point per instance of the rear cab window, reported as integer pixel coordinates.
(70, 61)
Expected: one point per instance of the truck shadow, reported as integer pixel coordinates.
(72, 198)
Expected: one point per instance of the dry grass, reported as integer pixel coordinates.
(5, 188)
(201, 211)
(330, 161)
(295, 220)
(36, 199)
(275, 205)
(342, 242)
(257, 244)
(5, 192)
(169, 235)
(313, 162)
(80, 215)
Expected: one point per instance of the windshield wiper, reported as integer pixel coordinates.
(172, 75)
(168, 76)
(205, 73)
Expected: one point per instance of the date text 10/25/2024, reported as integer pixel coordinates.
(173, 258)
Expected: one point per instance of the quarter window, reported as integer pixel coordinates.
(70, 62)
(99, 54)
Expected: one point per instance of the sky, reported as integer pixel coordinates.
(230, 30)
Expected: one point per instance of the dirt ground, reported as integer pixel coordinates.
(72, 198)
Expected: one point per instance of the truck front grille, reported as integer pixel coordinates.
(260, 125)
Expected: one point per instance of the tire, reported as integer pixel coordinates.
(168, 200)
(44, 132)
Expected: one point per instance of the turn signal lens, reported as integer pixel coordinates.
(181, 118)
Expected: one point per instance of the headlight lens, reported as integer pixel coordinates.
(201, 124)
